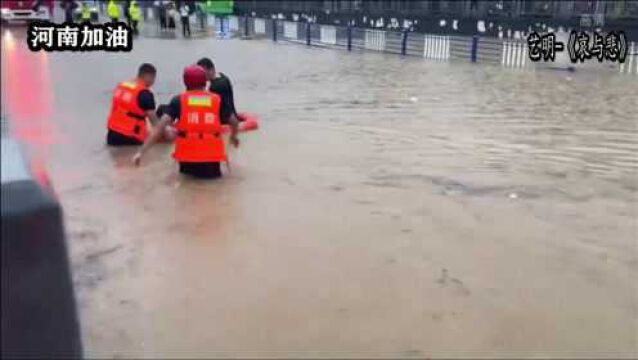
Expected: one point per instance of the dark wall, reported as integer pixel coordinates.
(612, 9)
(425, 16)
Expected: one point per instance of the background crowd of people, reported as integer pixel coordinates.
(130, 11)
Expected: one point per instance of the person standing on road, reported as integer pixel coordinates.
(171, 14)
(184, 12)
(136, 16)
(113, 11)
(161, 10)
(51, 6)
(69, 7)
(220, 84)
(85, 12)
(199, 145)
(133, 103)
(127, 14)
(36, 6)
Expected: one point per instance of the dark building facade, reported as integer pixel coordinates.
(426, 15)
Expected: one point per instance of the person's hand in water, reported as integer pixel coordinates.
(137, 159)
(234, 127)
(234, 140)
(156, 134)
(170, 133)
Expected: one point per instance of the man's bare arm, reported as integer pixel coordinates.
(152, 117)
(154, 137)
(234, 129)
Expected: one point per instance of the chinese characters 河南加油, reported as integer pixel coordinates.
(84, 37)
(611, 46)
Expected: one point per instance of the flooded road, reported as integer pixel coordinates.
(387, 207)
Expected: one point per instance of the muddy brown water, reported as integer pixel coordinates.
(387, 207)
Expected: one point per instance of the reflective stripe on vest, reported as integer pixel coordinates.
(199, 128)
(126, 117)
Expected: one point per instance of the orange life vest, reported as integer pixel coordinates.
(199, 130)
(126, 116)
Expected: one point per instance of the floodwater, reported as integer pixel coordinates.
(387, 207)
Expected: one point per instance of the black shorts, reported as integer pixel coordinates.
(116, 139)
(203, 170)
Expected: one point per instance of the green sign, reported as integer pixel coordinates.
(217, 7)
(199, 101)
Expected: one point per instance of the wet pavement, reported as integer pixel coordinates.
(387, 207)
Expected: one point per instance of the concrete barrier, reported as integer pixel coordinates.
(39, 318)
(290, 30)
(260, 26)
(328, 35)
(233, 23)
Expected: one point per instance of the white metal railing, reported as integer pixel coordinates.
(436, 47)
(374, 40)
(233, 23)
(630, 66)
(290, 30)
(260, 26)
(514, 54)
(328, 34)
(506, 52)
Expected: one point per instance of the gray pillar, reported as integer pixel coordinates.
(39, 317)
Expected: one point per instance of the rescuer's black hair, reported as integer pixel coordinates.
(146, 68)
(206, 63)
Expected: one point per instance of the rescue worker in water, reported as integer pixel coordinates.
(195, 114)
(133, 103)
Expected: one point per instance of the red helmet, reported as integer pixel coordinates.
(194, 76)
